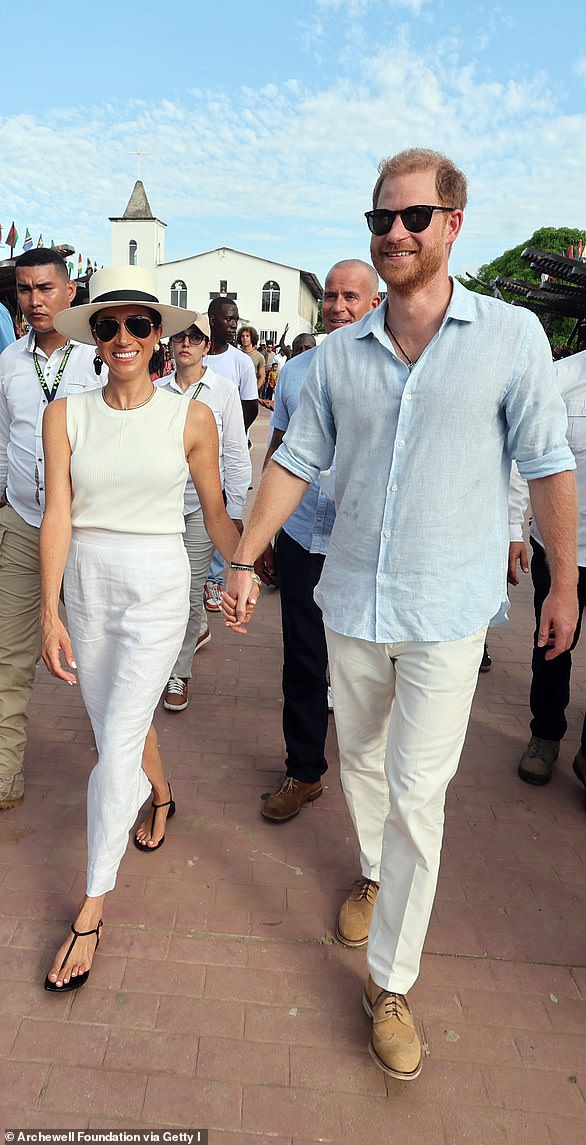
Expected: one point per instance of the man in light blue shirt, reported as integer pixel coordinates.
(7, 335)
(425, 401)
(351, 290)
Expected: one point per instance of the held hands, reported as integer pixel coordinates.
(55, 639)
(238, 599)
(559, 617)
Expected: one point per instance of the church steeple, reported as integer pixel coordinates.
(138, 237)
(138, 204)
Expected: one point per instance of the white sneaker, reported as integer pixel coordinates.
(212, 596)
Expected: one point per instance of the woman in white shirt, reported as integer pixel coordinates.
(117, 460)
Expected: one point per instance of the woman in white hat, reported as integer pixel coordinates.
(116, 466)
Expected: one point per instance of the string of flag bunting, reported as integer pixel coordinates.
(12, 239)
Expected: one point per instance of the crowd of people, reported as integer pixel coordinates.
(384, 514)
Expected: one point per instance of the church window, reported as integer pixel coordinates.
(179, 294)
(271, 295)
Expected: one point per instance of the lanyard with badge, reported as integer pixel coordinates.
(50, 393)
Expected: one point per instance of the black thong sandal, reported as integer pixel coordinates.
(80, 979)
(157, 807)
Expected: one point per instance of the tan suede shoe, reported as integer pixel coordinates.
(395, 1044)
(356, 913)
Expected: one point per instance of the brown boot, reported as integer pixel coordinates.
(288, 800)
(395, 1044)
(356, 913)
(536, 763)
(11, 791)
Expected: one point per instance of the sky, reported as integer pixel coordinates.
(262, 124)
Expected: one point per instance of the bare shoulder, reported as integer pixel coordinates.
(200, 422)
(55, 414)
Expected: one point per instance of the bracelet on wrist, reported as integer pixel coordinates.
(237, 567)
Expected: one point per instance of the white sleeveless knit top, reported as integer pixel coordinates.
(128, 467)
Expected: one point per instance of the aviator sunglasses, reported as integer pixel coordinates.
(414, 219)
(138, 326)
(195, 337)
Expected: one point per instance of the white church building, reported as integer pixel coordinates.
(269, 295)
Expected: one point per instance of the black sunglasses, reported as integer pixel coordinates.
(414, 219)
(138, 325)
(195, 337)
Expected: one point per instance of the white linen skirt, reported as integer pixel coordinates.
(127, 601)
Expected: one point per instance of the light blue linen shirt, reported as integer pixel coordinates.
(420, 542)
(312, 522)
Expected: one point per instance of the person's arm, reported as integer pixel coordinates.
(249, 412)
(201, 450)
(261, 375)
(554, 505)
(237, 469)
(518, 504)
(279, 493)
(4, 438)
(55, 539)
(282, 338)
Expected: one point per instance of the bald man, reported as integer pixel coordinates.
(351, 289)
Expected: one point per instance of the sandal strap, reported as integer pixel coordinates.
(156, 806)
(81, 934)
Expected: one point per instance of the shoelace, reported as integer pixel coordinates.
(175, 687)
(368, 889)
(287, 785)
(394, 1005)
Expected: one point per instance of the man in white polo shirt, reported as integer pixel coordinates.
(34, 370)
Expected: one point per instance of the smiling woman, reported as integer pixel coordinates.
(117, 465)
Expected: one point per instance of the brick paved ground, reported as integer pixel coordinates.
(219, 996)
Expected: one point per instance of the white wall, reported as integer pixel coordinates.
(245, 276)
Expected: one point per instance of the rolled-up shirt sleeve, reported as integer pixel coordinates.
(309, 444)
(535, 411)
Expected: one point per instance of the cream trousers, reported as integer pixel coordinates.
(127, 600)
(401, 716)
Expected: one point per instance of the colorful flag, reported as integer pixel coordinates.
(40, 242)
(70, 269)
(52, 244)
(12, 239)
(28, 240)
(580, 245)
(571, 252)
(79, 266)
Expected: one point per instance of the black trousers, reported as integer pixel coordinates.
(305, 658)
(550, 684)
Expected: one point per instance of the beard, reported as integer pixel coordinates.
(409, 275)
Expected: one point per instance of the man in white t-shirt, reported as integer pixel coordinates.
(225, 359)
(34, 370)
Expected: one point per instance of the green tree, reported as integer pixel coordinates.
(510, 264)
(319, 322)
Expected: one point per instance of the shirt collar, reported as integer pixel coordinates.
(171, 381)
(32, 347)
(462, 307)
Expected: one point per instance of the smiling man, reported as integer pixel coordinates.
(425, 401)
(34, 370)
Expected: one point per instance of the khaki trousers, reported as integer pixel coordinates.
(20, 638)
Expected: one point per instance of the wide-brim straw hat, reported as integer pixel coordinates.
(121, 286)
